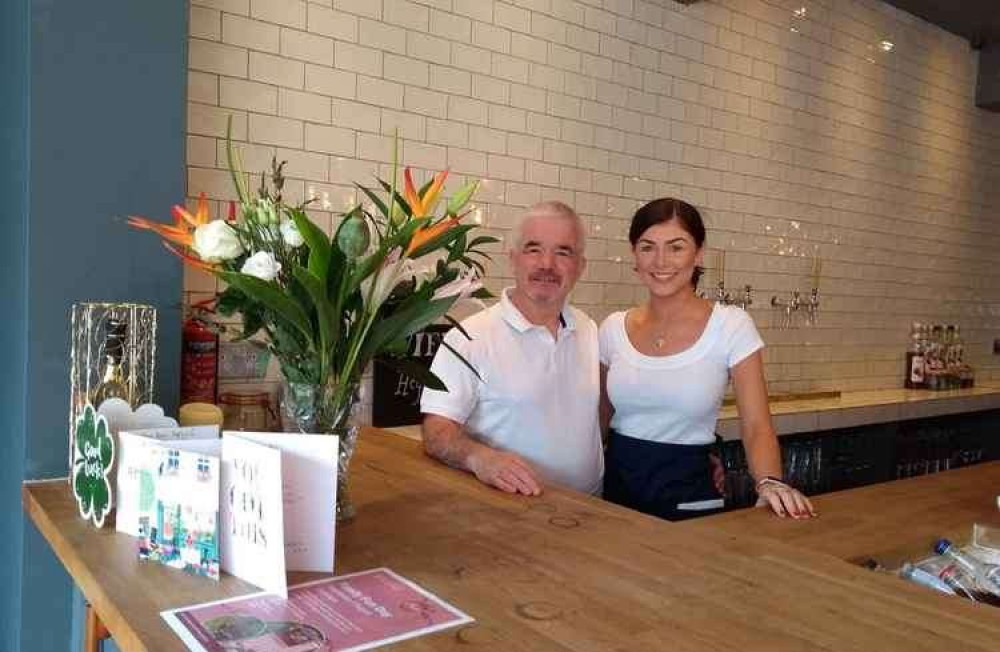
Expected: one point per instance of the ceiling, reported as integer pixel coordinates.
(976, 20)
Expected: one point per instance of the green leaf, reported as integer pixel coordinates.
(316, 240)
(230, 301)
(403, 323)
(462, 197)
(362, 271)
(324, 312)
(474, 263)
(415, 370)
(277, 301)
(375, 200)
(338, 271)
(253, 321)
(396, 348)
(235, 164)
(399, 199)
(457, 249)
(481, 240)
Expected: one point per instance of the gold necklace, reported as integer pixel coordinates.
(660, 339)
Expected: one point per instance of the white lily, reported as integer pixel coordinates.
(394, 270)
(464, 285)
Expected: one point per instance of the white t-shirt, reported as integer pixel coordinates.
(538, 395)
(675, 398)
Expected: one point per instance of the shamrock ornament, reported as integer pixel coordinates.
(93, 456)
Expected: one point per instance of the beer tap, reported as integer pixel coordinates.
(788, 307)
(743, 298)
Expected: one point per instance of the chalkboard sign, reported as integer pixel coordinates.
(396, 400)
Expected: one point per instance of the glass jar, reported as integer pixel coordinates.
(251, 411)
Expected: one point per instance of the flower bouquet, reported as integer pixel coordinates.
(328, 305)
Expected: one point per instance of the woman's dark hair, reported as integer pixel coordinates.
(665, 209)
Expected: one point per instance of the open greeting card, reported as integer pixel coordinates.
(254, 504)
(279, 501)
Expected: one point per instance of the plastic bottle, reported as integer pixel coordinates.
(959, 582)
(969, 564)
(920, 576)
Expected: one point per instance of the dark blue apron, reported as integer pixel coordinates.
(672, 481)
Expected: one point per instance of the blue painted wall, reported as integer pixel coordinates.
(14, 112)
(105, 81)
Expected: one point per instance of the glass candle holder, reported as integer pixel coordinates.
(123, 334)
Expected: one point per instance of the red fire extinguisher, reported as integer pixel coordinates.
(199, 357)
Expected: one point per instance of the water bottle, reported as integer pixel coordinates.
(920, 576)
(969, 564)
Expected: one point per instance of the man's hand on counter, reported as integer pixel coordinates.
(505, 471)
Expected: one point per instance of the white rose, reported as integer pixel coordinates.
(262, 265)
(216, 241)
(290, 234)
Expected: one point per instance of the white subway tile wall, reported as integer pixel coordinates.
(785, 122)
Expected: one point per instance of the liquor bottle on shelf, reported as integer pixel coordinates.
(914, 359)
(113, 384)
(934, 360)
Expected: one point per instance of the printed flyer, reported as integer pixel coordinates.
(359, 611)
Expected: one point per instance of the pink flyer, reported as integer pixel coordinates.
(352, 612)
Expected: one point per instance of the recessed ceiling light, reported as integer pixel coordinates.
(887, 46)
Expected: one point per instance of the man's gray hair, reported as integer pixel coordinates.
(551, 208)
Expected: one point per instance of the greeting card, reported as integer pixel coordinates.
(278, 506)
(169, 496)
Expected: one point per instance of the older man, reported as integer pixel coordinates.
(530, 416)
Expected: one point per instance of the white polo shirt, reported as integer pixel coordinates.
(538, 395)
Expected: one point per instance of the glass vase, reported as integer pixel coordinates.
(325, 409)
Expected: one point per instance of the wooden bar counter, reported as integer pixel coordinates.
(566, 571)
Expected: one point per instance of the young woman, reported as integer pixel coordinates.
(664, 369)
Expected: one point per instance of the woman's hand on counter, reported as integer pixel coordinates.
(784, 500)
